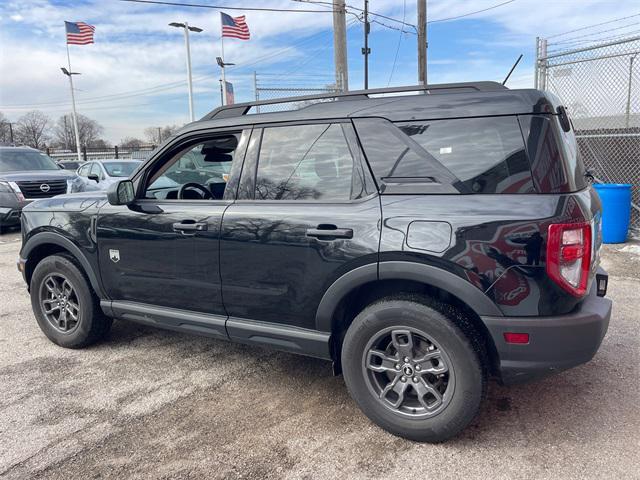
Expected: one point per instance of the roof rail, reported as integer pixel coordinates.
(240, 109)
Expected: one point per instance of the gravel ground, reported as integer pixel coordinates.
(155, 404)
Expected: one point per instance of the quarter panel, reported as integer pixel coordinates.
(498, 243)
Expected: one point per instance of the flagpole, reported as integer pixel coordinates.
(73, 105)
(224, 82)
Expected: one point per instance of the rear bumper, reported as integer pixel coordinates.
(555, 343)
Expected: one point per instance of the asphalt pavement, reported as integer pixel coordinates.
(155, 404)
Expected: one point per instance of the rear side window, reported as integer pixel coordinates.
(487, 155)
(308, 162)
(470, 155)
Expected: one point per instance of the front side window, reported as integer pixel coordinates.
(308, 162)
(196, 171)
(96, 170)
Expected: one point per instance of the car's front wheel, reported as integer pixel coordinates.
(412, 370)
(64, 305)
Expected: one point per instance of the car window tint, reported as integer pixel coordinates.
(207, 163)
(307, 162)
(84, 170)
(485, 154)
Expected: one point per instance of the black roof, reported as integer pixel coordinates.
(403, 103)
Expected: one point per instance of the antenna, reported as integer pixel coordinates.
(512, 69)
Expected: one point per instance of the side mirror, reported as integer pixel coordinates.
(94, 177)
(121, 193)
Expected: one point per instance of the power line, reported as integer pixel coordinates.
(395, 59)
(226, 7)
(448, 19)
(594, 25)
(573, 39)
(163, 87)
(375, 14)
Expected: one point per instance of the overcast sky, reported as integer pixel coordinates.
(134, 76)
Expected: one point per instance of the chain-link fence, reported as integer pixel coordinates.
(599, 84)
(270, 88)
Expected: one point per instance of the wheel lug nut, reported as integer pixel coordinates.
(404, 379)
(418, 367)
(406, 359)
(415, 379)
(397, 366)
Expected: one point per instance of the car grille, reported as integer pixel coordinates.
(37, 189)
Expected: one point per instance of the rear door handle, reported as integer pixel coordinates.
(190, 226)
(329, 232)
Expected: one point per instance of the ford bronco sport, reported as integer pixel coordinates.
(423, 242)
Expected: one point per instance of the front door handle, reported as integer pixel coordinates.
(190, 226)
(329, 232)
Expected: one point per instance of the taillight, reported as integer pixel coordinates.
(569, 256)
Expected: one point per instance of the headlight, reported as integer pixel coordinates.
(7, 187)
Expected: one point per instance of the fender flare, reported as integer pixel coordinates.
(481, 304)
(52, 238)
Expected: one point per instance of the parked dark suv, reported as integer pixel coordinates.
(423, 242)
(25, 175)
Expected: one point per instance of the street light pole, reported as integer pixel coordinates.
(70, 74)
(185, 26)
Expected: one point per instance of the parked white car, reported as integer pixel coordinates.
(99, 174)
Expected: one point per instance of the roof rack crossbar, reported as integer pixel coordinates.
(240, 109)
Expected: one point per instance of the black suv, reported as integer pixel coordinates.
(423, 242)
(27, 174)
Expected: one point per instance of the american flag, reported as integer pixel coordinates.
(79, 33)
(234, 27)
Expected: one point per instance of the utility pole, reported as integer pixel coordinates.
(340, 45)
(159, 135)
(422, 42)
(366, 50)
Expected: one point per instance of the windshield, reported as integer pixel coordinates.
(23, 160)
(120, 169)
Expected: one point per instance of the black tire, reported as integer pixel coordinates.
(462, 388)
(90, 325)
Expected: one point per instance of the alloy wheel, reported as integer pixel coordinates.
(60, 303)
(408, 372)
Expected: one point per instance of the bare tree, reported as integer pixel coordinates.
(157, 135)
(5, 130)
(33, 129)
(129, 142)
(89, 132)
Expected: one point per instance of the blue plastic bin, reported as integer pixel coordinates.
(616, 211)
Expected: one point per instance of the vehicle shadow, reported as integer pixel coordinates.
(550, 410)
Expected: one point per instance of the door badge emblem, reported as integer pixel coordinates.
(114, 255)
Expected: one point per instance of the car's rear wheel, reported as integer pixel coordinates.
(64, 304)
(412, 370)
